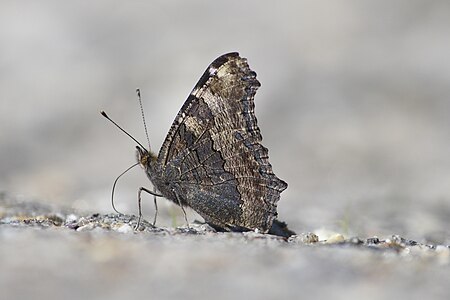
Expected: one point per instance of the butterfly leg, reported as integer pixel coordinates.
(156, 207)
(182, 208)
(139, 203)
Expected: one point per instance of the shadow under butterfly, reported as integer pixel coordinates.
(212, 159)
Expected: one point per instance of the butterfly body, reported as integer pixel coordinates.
(212, 159)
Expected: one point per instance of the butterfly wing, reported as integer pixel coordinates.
(212, 158)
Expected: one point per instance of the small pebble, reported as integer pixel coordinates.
(124, 228)
(88, 226)
(335, 239)
(305, 238)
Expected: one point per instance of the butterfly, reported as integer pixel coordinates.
(212, 159)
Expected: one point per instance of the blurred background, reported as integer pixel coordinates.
(354, 104)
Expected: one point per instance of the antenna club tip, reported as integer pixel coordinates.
(102, 112)
(138, 91)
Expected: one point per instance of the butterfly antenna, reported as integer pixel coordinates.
(121, 129)
(138, 92)
(114, 187)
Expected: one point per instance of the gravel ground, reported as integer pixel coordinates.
(48, 252)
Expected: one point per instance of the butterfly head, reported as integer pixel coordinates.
(144, 157)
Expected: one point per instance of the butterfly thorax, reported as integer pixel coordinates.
(149, 162)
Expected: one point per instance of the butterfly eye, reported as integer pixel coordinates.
(142, 155)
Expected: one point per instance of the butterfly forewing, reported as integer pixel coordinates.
(212, 158)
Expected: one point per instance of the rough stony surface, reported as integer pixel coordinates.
(47, 251)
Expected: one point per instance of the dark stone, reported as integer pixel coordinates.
(373, 241)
